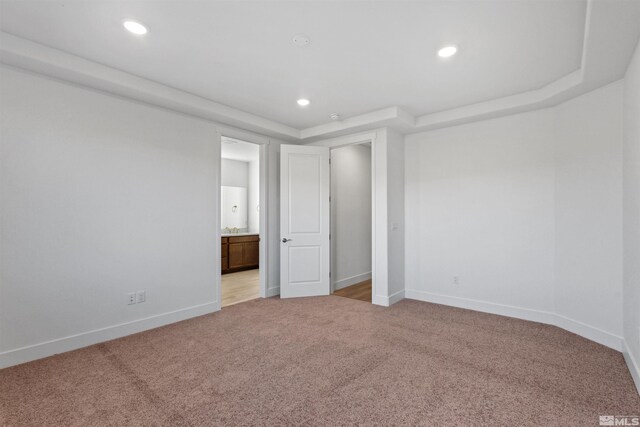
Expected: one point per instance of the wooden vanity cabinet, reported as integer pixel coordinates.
(225, 254)
(240, 253)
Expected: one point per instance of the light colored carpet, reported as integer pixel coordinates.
(327, 361)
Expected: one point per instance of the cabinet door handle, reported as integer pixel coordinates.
(285, 240)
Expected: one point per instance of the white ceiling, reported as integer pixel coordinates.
(363, 56)
(235, 149)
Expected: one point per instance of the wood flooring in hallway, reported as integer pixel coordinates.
(360, 291)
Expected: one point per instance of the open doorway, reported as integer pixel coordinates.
(351, 221)
(239, 221)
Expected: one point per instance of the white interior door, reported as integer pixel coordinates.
(304, 221)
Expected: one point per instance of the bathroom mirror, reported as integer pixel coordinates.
(234, 208)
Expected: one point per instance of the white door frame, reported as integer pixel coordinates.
(378, 269)
(263, 143)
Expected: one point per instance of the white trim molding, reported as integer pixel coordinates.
(379, 228)
(586, 331)
(272, 292)
(397, 296)
(630, 358)
(589, 332)
(339, 284)
(21, 53)
(608, 41)
(263, 144)
(85, 339)
(390, 300)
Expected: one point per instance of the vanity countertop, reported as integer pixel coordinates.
(239, 234)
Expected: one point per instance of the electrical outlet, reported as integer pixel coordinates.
(455, 280)
(141, 296)
(131, 298)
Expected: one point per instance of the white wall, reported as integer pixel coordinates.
(480, 207)
(254, 196)
(396, 215)
(272, 230)
(350, 215)
(101, 196)
(588, 209)
(234, 173)
(507, 205)
(631, 215)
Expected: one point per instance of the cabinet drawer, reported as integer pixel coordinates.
(225, 250)
(243, 239)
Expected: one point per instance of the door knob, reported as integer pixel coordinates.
(285, 240)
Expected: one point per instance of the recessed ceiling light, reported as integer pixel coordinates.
(135, 27)
(447, 51)
(303, 102)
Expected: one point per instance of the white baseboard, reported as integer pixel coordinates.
(590, 332)
(74, 342)
(633, 366)
(272, 292)
(395, 297)
(339, 284)
(486, 307)
(378, 300)
(578, 328)
(388, 301)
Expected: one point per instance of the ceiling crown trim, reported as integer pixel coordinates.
(610, 36)
(18, 52)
